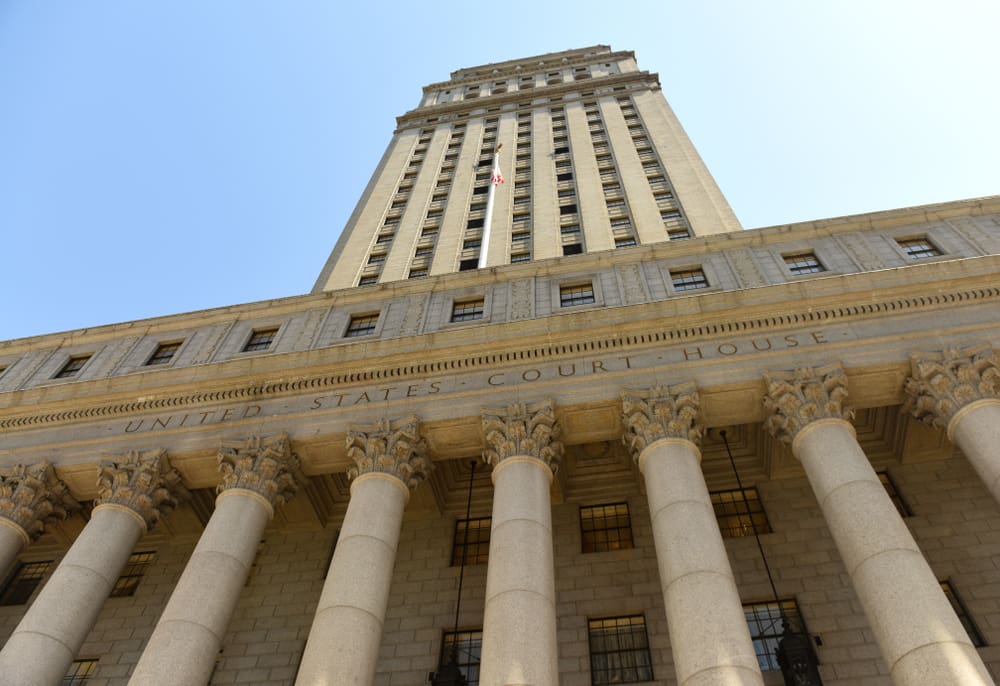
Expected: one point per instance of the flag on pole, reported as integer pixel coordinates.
(496, 177)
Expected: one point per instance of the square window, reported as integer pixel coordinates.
(918, 248)
(23, 582)
(260, 339)
(740, 513)
(467, 310)
(803, 263)
(164, 353)
(576, 294)
(79, 672)
(363, 324)
(72, 367)
(688, 279)
(471, 544)
(136, 568)
(767, 622)
(605, 527)
(619, 650)
(893, 493)
(468, 647)
(963, 614)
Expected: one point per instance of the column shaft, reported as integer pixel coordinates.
(13, 539)
(709, 637)
(343, 643)
(186, 641)
(920, 637)
(976, 430)
(519, 624)
(47, 640)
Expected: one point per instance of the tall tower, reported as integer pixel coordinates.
(593, 157)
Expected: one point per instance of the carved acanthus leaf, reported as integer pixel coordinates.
(796, 398)
(144, 482)
(394, 448)
(941, 383)
(660, 412)
(32, 496)
(264, 465)
(521, 429)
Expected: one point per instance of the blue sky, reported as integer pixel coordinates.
(164, 157)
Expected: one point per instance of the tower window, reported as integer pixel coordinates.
(605, 527)
(467, 310)
(739, 513)
(468, 646)
(72, 367)
(23, 582)
(918, 248)
(576, 294)
(469, 264)
(164, 353)
(368, 280)
(572, 249)
(678, 234)
(136, 568)
(362, 324)
(766, 622)
(567, 209)
(803, 263)
(619, 650)
(688, 279)
(471, 544)
(260, 339)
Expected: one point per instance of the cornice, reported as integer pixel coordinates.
(519, 66)
(613, 339)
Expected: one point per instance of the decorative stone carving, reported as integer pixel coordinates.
(264, 465)
(143, 482)
(32, 495)
(796, 398)
(394, 448)
(522, 429)
(660, 412)
(941, 383)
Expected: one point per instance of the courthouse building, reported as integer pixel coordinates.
(647, 445)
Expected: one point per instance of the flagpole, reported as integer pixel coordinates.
(496, 178)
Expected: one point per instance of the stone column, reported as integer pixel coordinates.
(519, 623)
(916, 629)
(343, 643)
(30, 497)
(958, 390)
(709, 637)
(256, 476)
(132, 493)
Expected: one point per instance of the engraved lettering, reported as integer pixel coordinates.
(317, 403)
(386, 391)
(572, 370)
(628, 361)
(363, 398)
(411, 391)
(818, 337)
(225, 414)
(256, 409)
(435, 387)
(161, 423)
(205, 416)
(727, 349)
(129, 429)
(598, 366)
(791, 341)
(534, 374)
(493, 383)
(688, 352)
(757, 344)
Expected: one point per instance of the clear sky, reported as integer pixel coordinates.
(167, 156)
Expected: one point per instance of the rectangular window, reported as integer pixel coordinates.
(164, 353)
(918, 248)
(23, 582)
(467, 310)
(424, 251)
(468, 264)
(963, 614)
(471, 544)
(766, 622)
(468, 647)
(471, 243)
(893, 493)
(566, 176)
(619, 650)
(72, 367)
(605, 527)
(572, 249)
(739, 513)
(678, 234)
(576, 294)
(418, 272)
(567, 209)
(362, 324)
(520, 257)
(688, 279)
(368, 280)
(376, 259)
(136, 568)
(803, 263)
(260, 339)
(625, 242)
(79, 672)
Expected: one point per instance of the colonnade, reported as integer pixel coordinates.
(919, 636)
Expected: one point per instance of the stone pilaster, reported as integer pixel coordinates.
(958, 390)
(134, 491)
(916, 630)
(346, 632)
(519, 621)
(702, 601)
(256, 475)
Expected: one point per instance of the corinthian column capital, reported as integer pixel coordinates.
(141, 482)
(797, 398)
(389, 447)
(660, 412)
(264, 465)
(32, 495)
(943, 382)
(522, 429)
